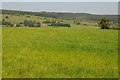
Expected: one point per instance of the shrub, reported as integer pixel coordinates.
(0, 22)
(37, 24)
(6, 17)
(31, 23)
(115, 26)
(60, 24)
(3, 20)
(85, 24)
(28, 16)
(104, 23)
(6, 23)
(17, 25)
(78, 23)
(11, 25)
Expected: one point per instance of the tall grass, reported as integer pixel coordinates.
(0, 52)
(59, 53)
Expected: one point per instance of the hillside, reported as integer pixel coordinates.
(68, 16)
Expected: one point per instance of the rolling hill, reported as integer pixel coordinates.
(78, 16)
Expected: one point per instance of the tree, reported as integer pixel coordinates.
(104, 23)
(6, 16)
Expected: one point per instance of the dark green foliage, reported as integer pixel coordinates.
(11, 25)
(47, 21)
(0, 22)
(21, 23)
(78, 23)
(31, 23)
(28, 23)
(46, 14)
(3, 20)
(37, 24)
(25, 22)
(104, 23)
(28, 16)
(6, 23)
(17, 25)
(60, 24)
(6, 17)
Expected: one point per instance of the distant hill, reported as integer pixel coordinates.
(79, 16)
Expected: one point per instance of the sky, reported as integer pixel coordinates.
(60, 0)
(75, 7)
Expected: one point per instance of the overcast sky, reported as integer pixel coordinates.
(60, 0)
(75, 7)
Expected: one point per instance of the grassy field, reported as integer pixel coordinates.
(59, 52)
(0, 52)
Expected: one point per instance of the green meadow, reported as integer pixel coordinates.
(59, 52)
(0, 51)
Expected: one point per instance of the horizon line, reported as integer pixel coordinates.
(59, 12)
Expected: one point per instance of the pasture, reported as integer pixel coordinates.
(49, 52)
(0, 51)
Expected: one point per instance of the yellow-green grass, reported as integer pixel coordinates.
(17, 19)
(0, 51)
(50, 52)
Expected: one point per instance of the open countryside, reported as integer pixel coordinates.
(46, 45)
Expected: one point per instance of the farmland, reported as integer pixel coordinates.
(73, 47)
(50, 52)
(0, 52)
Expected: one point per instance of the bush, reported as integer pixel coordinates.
(78, 23)
(0, 22)
(6, 23)
(37, 24)
(11, 25)
(6, 17)
(31, 23)
(85, 24)
(47, 21)
(17, 25)
(104, 23)
(115, 26)
(60, 24)
(28, 16)
(3, 20)
(25, 22)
